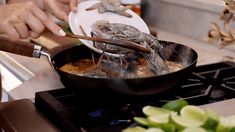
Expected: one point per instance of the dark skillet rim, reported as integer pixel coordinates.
(194, 62)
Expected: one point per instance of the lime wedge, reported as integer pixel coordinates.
(212, 120)
(159, 119)
(154, 130)
(193, 112)
(168, 127)
(232, 129)
(194, 129)
(191, 116)
(210, 124)
(223, 125)
(231, 121)
(184, 122)
(154, 111)
(134, 129)
(142, 121)
(175, 105)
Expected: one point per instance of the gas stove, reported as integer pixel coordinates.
(109, 111)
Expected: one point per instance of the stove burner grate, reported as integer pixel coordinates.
(208, 84)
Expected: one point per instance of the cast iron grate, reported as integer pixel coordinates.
(208, 84)
(108, 111)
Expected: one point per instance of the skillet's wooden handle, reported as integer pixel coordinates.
(20, 47)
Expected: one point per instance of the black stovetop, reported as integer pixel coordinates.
(109, 111)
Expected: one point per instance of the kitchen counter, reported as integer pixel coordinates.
(23, 116)
(43, 77)
(223, 108)
(36, 74)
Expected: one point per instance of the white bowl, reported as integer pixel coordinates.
(85, 19)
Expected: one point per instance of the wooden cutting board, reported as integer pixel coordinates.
(49, 40)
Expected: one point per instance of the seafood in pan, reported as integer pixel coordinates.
(111, 6)
(131, 64)
(108, 30)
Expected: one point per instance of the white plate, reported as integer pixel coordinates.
(85, 19)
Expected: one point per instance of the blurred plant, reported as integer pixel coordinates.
(226, 36)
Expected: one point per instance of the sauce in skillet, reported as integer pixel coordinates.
(88, 67)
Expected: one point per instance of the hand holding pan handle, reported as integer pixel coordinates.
(21, 48)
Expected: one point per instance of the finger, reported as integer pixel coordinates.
(34, 34)
(59, 8)
(11, 32)
(63, 16)
(53, 27)
(61, 11)
(64, 1)
(23, 30)
(73, 5)
(34, 23)
(65, 8)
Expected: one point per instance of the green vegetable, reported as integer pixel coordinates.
(232, 129)
(67, 29)
(134, 129)
(154, 130)
(223, 125)
(159, 119)
(141, 120)
(212, 120)
(178, 116)
(168, 127)
(154, 111)
(194, 129)
(175, 105)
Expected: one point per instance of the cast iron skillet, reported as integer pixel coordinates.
(138, 86)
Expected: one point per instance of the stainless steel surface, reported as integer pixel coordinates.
(9, 80)
(15, 67)
(223, 108)
(44, 78)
